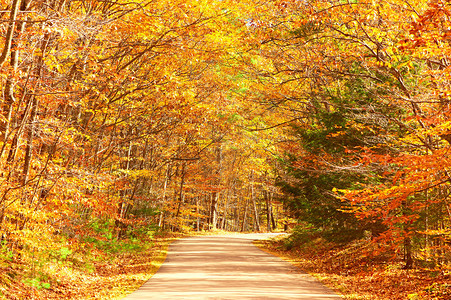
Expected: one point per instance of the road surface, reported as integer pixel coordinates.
(228, 267)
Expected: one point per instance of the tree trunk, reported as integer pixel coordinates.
(268, 210)
(10, 33)
(213, 209)
(180, 194)
(215, 196)
(226, 209)
(408, 259)
(12, 41)
(164, 197)
(122, 205)
(254, 205)
(244, 222)
(29, 148)
(273, 216)
(197, 213)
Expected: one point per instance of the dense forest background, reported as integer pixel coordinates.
(124, 118)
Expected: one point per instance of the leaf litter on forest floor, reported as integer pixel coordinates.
(99, 276)
(347, 271)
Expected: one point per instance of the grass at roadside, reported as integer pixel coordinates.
(88, 273)
(352, 273)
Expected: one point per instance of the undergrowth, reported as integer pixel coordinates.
(96, 266)
(357, 271)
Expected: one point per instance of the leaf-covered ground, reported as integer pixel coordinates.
(84, 274)
(95, 274)
(357, 275)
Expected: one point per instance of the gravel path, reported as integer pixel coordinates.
(228, 267)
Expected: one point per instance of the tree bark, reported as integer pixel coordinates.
(180, 194)
(408, 259)
(10, 33)
(213, 209)
(164, 197)
(273, 216)
(12, 39)
(244, 221)
(29, 148)
(268, 210)
(254, 205)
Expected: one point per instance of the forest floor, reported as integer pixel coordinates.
(89, 273)
(354, 273)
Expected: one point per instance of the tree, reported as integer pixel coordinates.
(355, 66)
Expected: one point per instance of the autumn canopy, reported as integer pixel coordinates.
(119, 118)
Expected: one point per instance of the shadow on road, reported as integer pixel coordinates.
(228, 267)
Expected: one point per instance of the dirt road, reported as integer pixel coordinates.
(228, 267)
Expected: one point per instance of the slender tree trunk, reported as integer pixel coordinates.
(213, 209)
(216, 195)
(268, 210)
(29, 148)
(426, 227)
(122, 205)
(164, 197)
(10, 32)
(30, 106)
(408, 259)
(12, 41)
(273, 216)
(197, 213)
(408, 253)
(226, 212)
(34, 106)
(254, 205)
(180, 195)
(244, 221)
